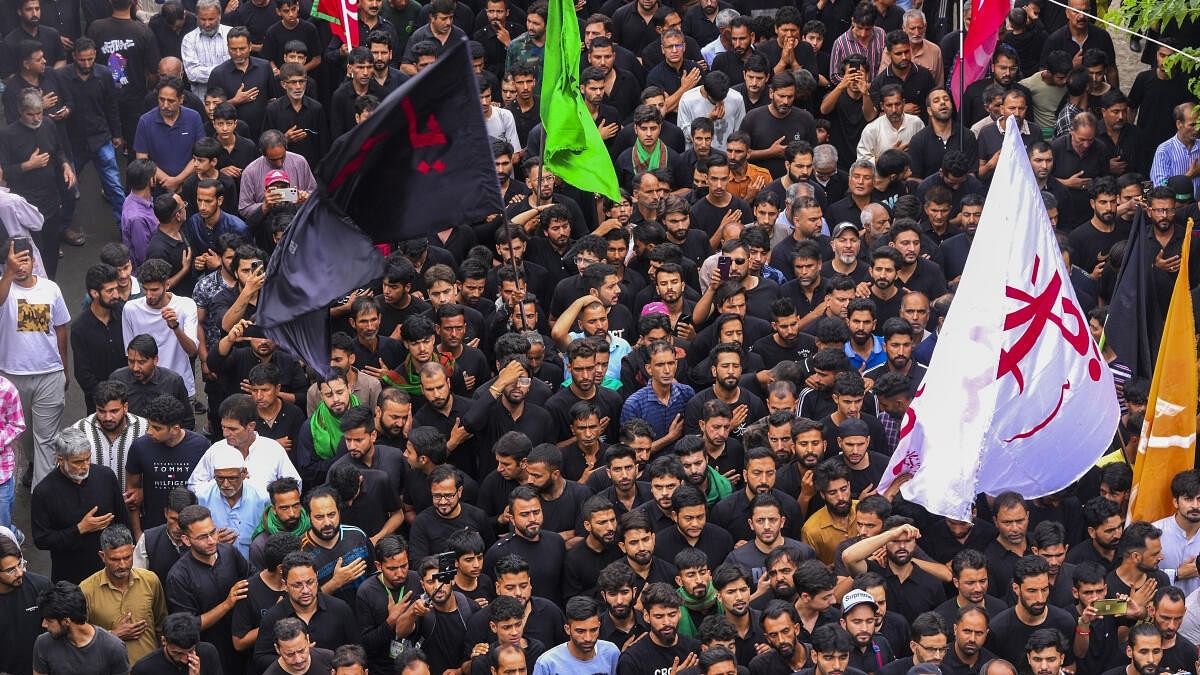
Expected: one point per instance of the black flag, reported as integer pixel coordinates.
(1134, 326)
(420, 163)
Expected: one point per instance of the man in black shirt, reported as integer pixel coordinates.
(208, 581)
(663, 648)
(586, 560)
(1105, 522)
(161, 460)
(94, 126)
(543, 549)
(329, 621)
(561, 498)
(692, 529)
(774, 126)
(378, 595)
(447, 515)
(248, 80)
(543, 618)
(910, 589)
(502, 407)
(298, 653)
(1013, 628)
(181, 648)
(439, 619)
(620, 622)
(967, 655)
(129, 49)
(780, 625)
(19, 590)
(35, 163)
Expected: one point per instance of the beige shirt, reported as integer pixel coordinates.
(143, 600)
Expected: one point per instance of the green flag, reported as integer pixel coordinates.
(574, 150)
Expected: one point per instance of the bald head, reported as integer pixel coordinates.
(998, 667)
(170, 66)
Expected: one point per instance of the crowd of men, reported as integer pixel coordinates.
(586, 435)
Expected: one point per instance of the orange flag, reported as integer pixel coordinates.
(1168, 442)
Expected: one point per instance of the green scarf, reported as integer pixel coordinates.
(649, 160)
(326, 429)
(410, 380)
(719, 486)
(270, 523)
(687, 625)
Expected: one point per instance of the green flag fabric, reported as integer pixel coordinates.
(574, 150)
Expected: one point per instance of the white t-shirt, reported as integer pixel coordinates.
(501, 124)
(28, 345)
(138, 318)
(266, 461)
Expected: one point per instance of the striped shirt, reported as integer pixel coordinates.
(112, 453)
(201, 54)
(1173, 159)
(845, 45)
(12, 423)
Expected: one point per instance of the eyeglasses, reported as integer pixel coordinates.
(227, 479)
(300, 585)
(933, 650)
(524, 381)
(673, 48)
(19, 567)
(444, 497)
(739, 261)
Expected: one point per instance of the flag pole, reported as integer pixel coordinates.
(1123, 29)
(346, 24)
(962, 32)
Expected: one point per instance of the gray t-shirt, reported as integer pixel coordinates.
(104, 655)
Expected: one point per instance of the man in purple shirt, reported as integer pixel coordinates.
(138, 222)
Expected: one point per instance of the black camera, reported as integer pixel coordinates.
(447, 567)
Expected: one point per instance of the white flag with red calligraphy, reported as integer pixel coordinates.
(1017, 396)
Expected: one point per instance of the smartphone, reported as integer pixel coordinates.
(724, 263)
(1110, 607)
(22, 245)
(256, 265)
(253, 331)
(290, 195)
(1147, 186)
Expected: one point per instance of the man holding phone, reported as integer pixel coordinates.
(33, 350)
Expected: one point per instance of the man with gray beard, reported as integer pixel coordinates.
(72, 505)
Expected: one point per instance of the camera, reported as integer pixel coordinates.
(447, 567)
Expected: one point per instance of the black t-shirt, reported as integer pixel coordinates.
(278, 35)
(706, 216)
(129, 50)
(545, 557)
(445, 646)
(560, 514)
(1008, 634)
(1088, 244)
(163, 469)
(544, 624)
(156, 663)
(646, 657)
(248, 614)
(764, 129)
(321, 660)
(21, 626)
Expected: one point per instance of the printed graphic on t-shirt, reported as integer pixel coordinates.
(32, 318)
(116, 64)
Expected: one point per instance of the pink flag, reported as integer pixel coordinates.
(987, 18)
(1017, 396)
